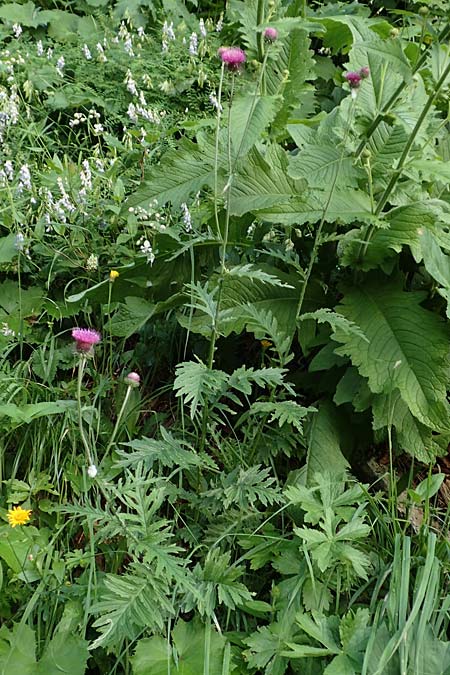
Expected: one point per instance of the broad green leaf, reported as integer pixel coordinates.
(412, 436)
(245, 14)
(324, 445)
(344, 206)
(134, 314)
(192, 643)
(322, 166)
(249, 117)
(8, 249)
(64, 654)
(407, 348)
(241, 295)
(30, 411)
(26, 14)
(263, 182)
(182, 172)
(292, 57)
(17, 650)
(367, 43)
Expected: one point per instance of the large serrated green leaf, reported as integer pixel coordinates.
(407, 347)
(249, 117)
(182, 172)
(263, 182)
(322, 165)
(413, 437)
(288, 71)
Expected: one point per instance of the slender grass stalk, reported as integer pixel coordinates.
(119, 418)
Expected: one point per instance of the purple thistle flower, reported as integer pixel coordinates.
(270, 34)
(364, 72)
(85, 339)
(354, 79)
(232, 57)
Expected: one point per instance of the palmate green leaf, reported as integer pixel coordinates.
(249, 117)
(265, 648)
(218, 583)
(283, 412)
(407, 348)
(322, 165)
(182, 172)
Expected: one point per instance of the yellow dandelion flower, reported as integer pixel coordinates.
(18, 516)
(113, 275)
(266, 344)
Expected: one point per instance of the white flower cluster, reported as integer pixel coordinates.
(168, 34)
(9, 110)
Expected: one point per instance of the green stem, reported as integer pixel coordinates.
(401, 162)
(397, 173)
(216, 153)
(81, 367)
(119, 419)
(109, 329)
(260, 13)
(388, 105)
(317, 238)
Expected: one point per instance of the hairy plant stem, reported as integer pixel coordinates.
(388, 105)
(81, 367)
(109, 329)
(119, 418)
(260, 14)
(216, 150)
(401, 162)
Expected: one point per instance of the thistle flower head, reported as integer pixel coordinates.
(133, 379)
(18, 516)
(270, 34)
(232, 57)
(364, 72)
(354, 79)
(85, 339)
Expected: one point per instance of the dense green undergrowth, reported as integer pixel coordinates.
(258, 256)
